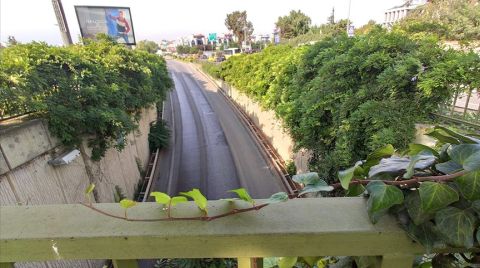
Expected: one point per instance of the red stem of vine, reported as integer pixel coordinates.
(401, 183)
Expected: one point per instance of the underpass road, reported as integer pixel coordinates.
(210, 149)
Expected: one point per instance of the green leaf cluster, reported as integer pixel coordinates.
(94, 91)
(345, 97)
(435, 212)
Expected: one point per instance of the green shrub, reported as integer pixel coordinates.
(212, 69)
(159, 136)
(344, 97)
(96, 90)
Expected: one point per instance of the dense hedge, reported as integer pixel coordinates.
(94, 90)
(344, 97)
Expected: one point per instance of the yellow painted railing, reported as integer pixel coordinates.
(300, 227)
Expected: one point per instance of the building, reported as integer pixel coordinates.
(397, 13)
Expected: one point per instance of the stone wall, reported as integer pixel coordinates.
(26, 177)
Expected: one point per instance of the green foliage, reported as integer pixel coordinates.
(127, 203)
(94, 91)
(159, 136)
(382, 197)
(277, 198)
(448, 19)
(294, 24)
(198, 198)
(187, 50)
(435, 209)
(311, 183)
(212, 69)
(196, 263)
(243, 195)
(238, 23)
(345, 97)
(148, 46)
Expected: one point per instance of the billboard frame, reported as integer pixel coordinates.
(134, 43)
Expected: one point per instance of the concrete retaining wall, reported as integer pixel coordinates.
(271, 126)
(27, 178)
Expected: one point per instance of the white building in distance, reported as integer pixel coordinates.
(397, 13)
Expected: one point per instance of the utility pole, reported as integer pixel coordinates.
(348, 17)
(62, 22)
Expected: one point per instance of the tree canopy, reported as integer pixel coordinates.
(148, 46)
(294, 24)
(238, 23)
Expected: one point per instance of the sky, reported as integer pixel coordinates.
(30, 20)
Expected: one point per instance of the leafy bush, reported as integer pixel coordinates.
(159, 136)
(212, 69)
(96, 90)
(344, 97)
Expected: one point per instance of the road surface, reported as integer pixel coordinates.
(211, 149)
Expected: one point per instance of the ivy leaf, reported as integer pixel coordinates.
(435, 196)
(382, 197)
(456, 225)
(467, 155)
(178, 199)
(448, 167)
(277, 198)
(469, 185)
(395, 166)
(375, 157)
(346, 176)
(89, 188)
(414, 208)
(287, 262)
(355, 190)
(425, 234)
(312, 183)
(306, 178)
(423, 155)
(415, 148)
(320, 186)
(243, 194)
(160, 197)
(461, 138)
(441, 137)
(366, 261)
(127, 203)
(198, 198)
(476, 207)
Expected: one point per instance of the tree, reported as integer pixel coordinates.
(12, 41)
(367, 27)
(294, 24)
(149, 46)
(237, 23)
(331, 18)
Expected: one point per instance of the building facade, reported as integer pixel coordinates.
(397, 13)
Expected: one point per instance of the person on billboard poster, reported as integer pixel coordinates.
(118, 25)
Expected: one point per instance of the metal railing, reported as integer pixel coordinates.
(463, 109)
(299, 227)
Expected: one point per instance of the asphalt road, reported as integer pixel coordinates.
(211, 149)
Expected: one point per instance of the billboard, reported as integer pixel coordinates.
(113, 21)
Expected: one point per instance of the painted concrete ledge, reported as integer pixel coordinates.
(301, 227)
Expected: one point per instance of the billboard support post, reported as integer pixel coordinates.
(62, 22)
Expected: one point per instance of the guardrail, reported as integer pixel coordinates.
(299, 227)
